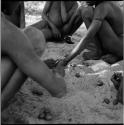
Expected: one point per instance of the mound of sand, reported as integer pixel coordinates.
(89, 99)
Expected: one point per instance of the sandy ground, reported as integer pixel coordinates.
(89, 98)
(88, 85)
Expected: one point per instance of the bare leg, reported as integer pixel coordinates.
(94, 46)
(40, 25)
(43, 26)
(111, 42)
(7, 69)
(12, 87)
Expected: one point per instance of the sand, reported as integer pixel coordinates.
(89, 98)
(88, 88)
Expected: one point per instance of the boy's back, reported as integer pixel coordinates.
(55, 12)
(112, 13)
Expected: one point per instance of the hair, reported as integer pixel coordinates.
(92, 3)
(8, 7)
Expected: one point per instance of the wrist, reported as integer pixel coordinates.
(65, 61)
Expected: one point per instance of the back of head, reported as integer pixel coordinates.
(92, 3)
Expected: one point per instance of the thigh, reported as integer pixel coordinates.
(40, 25)
(7, 70)
(12, 87)
(48, 34)
(111, 42)
(37, 39)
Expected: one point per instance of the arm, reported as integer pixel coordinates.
(93, 29)
(73, 9)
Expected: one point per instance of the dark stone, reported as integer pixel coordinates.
(106, 100)
(115, 102)
(37, 92)
(100, 83)
(77, 75)
(45, 114)
(70, 119)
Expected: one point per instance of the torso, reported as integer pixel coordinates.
(115, 18)
(55, 12)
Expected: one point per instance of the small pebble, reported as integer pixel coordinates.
(106, 100)
(115, 102)
(48, 117)
(70, 119)
(45, 114)
(100, 83)
(41, 115)
(37, 92)
(73, 65)
(73, 83)
(77, 75)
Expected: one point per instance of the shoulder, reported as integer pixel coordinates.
(103, 6)
(101, 10)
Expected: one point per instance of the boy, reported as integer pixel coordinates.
(60, 18)
(105, 28)
(16, 46)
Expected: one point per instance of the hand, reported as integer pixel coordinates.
(56, 33)
(61, 83)
(117, 80)
(59, 69)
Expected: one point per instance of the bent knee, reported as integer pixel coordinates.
(86, 12)
(36, 38)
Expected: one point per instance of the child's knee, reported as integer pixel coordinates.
(86, 12)
(37, 39)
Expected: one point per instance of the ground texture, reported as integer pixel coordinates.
(89, 99)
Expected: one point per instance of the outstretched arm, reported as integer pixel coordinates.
(82, 44)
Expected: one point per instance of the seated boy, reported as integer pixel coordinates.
(60, 18)
(105, 30)
(20, 60)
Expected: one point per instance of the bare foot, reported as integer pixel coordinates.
(93, 52)
(109, 58)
